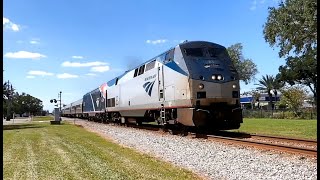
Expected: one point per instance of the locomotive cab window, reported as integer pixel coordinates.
(150, 65)
(169, 56)
(141, 69)
(135, 72)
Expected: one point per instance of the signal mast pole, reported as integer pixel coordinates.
(59, 95)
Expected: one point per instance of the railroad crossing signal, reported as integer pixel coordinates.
(53, 100)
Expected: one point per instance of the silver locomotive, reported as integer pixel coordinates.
(193, 84)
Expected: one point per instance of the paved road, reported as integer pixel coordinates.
(17, 120)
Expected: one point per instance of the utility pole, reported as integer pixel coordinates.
(60, 101)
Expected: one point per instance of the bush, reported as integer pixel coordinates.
(279, 114)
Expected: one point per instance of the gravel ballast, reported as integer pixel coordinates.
(212, 160)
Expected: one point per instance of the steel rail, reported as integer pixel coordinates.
(305, 151)
(285, 138)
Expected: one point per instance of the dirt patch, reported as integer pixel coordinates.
(79, 125)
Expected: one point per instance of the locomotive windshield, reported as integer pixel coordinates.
(196, 52)
(217, 52)
(203, 60)
(206, 52)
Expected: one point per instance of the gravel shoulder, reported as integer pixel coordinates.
(212, 160)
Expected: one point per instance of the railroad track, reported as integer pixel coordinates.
(306, 142)
(255, 140)
(283, 144)
(271, 146)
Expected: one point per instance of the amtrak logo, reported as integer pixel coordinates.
(148, 87)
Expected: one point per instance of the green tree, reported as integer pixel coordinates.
(5, 91)
(8, 92)
(300, 71)
(277, 85)
(25, 103)
(293, 97)
(293, 27)
(245, 67)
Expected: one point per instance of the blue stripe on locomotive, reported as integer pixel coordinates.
(113, 81)
(174, 66)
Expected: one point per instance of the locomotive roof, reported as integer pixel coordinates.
(112, 81)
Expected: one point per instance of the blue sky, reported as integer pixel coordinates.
(76, 45)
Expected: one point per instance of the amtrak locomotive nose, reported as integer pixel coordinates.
(214, 85)
(210, 70)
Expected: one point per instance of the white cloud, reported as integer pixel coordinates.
(40, 73)
(253, 5)
(5, 21)
(24, 55)
(34, 42)
(91, 74)
(10, 25)
(100, 69)
(156, 41)
(77, 57)
(15, 27)
(66, 76)
(79, 64)
(30, 77)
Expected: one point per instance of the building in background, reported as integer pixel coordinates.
(248, 102)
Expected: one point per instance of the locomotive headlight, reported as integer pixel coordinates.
(201, 86)
(213, 77)
(234, 86)
(219, 77)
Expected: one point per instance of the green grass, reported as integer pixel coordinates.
(42, 118)
(306, 129)
(44, 151)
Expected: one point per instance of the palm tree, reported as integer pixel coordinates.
(266, 84)
(277, 85)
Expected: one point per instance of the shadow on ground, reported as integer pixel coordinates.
(21, 126)
(239, 135)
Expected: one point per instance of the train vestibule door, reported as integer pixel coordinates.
(105, 100)
(160, 82)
